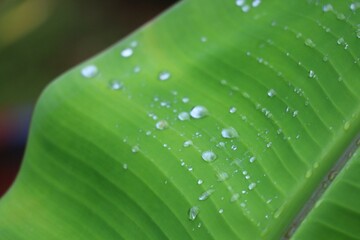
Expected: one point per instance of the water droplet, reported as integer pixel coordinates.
(163, 76)
(271, 93)
(256, 3)
(308, 173)
(340, 16)
(208, 156)
(116, 85)
(200, 181)
(232, 110)
(312, 74)
(222, 176)
(193, 213)
(245, 8)
(295, 113)
(185, 100)
(135, 149)
(340, 41)
(125, 166)
(205, 195)
(199, 112)
(162, 125)
(221, 210)
(252, 159)
(239, 2)
(252, 186)
(347, 125)
(234, 197)
(137, 69)
(327, 8)
(127, 52)
(188, 143)
(233, 147)
(310, 43)
(183, 116)
(354, 6)
(203, 39)
(89, 71)
(229, 133)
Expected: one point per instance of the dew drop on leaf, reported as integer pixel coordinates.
(205, 195)
(199, 112)
(162, 125)
(125, 166)
(89, 71)
(185, 99)
(183, 116)
(255, 3)
(229, 133)
(208, 156)
(193, 213)
(252, 159)
(354, 6)
(327, 8)
(222, 176)
(232, 110)
(240, 2)
(310, 43)
(135, 149)
(312, 74)
(163, 76)
(116, 85)
(127, 52)
(200, 181)
(221, 210)
(271, 93)
(252, 186)
(188, 143)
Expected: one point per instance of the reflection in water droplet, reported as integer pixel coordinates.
(252, 186)
(208, 156)
(271, 93)
(199, 112)
(229, 133)
(193, 213)
(162, 124)
(89, 71)
(163, 76)
(127, 52)
(183, 116)
(188, 143)
(205, 195)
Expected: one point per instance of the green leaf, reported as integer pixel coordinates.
(269, 100)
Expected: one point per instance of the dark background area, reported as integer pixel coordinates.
(39, 40)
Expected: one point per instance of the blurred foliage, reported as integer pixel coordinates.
(40, 39)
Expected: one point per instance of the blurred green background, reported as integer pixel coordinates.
(39, 40)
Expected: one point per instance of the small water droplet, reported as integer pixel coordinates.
(308, 173)
(127, 52)
(183, 116)
(239, 2)
(232, 109)
(137, 69)
(125, 166)
(245, 8)
(310, 43)
(188, 143)
(327, 8)
(234, 197)
(312, 74)
(163, 76)
(135, 149)
(340, 16)
(205, 195)
(89, 71)
(252, 186)
(347, 125)
(354, 6)
(200, 181)
(222, 176)
(229, 133)
(221, 210)
(295, 113)
(116, 85)
(162, 125)
(256, 3)
(208, 156)
(252, 159)
(193, 213)
(233, 147)
(203, 39)
(199, 112)
(271, 93)
(185, 99)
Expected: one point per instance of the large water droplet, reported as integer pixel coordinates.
(183, 116)
(229, 133)
(205, 195)
(162, 125)
(89, 71)
(193, 213)
(199, 112)
(127, 52)
(208, 156)
(163, 76)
